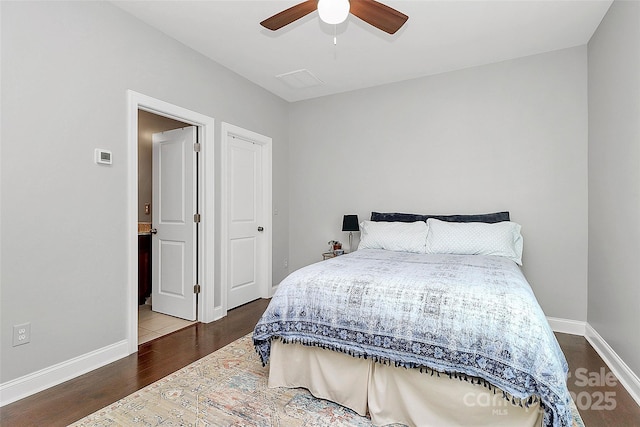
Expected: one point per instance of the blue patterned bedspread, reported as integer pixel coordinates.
(473, 315)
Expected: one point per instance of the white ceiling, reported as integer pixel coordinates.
(439, 36)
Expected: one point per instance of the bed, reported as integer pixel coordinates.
(429, 322)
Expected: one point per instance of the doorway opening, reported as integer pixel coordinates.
(152, 323)
(201, 129)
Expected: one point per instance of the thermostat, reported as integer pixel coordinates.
(103, 156)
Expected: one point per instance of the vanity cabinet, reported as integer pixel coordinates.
(144, 267)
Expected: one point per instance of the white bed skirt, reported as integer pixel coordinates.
(391, 394)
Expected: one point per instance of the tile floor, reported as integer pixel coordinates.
(152, 325)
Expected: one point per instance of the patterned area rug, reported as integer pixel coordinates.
(226, 388)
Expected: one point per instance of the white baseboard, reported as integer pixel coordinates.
(625, 375)
(566, 326)
(218, 313)
(40, 380)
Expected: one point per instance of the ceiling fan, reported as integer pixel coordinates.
(372, 12)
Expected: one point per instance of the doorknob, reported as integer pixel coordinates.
(260, 228)
(153, 231)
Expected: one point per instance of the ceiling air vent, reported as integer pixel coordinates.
(300, 79)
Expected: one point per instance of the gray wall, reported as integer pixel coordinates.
(507, 136)
(614, 181)
(511, 135)
(66, 68)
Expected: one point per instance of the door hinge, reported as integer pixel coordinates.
(196, 289)
(196, 217)
(196, 147)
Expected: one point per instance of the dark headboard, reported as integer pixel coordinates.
(405, 217)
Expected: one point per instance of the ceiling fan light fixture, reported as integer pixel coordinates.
(333, 11)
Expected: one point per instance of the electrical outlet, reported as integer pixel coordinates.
(286, 263)
(21, 334)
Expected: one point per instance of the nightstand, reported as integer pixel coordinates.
(327, 255)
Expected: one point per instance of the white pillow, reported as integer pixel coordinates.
(393, 236)
(475, 238)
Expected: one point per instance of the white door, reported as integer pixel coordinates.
(246, 236)
(173, 251)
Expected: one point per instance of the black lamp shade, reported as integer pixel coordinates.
(350, 223)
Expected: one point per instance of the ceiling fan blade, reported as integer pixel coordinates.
(379, 15)
(290, 15)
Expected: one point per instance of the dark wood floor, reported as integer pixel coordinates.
(74, 399)
(599, 403)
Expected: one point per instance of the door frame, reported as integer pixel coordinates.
(206, 194)
(266, 290)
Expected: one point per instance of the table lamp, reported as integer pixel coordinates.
(350, 224)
